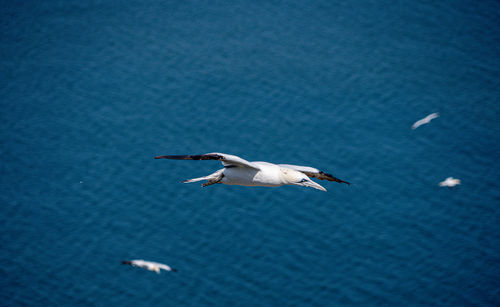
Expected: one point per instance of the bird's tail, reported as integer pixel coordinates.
(197, 179)
(217, 176)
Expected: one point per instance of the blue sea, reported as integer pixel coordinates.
(92, 91)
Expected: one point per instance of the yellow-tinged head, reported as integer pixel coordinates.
(294, 177)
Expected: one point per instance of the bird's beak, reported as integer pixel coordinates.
(313, 184)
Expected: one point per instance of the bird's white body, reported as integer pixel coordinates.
(424, 120)
(449, 182)
(238, 171)
(269, 175)
(149, 265)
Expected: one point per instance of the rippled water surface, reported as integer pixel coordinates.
(91, 91)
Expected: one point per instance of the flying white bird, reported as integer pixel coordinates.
(449, 182)
(424, 120)
(238, 171)
(149, 265)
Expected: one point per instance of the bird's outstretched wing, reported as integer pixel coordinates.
(424, 120)
(227, 160)
(313, 172)
(165, 267)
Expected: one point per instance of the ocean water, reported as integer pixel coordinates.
(91, 91)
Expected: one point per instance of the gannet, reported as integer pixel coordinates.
(149, 265)
(424, 120)
(449, 182)
(238, 171)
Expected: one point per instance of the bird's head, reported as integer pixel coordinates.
(294, 177)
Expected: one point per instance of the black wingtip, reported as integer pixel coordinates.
(333, 178)
(126, 262)
(174, 157)
(342, 181)
(192, 157)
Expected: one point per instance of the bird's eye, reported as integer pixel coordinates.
(303, 180)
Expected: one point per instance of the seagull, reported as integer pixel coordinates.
(149, 265)
(238, 171)
(449, 182)
(424, 120)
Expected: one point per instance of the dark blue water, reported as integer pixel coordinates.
(91, 91)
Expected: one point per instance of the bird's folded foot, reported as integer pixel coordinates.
(210, 183)
(213, 180)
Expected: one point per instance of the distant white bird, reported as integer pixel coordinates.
(424, 120)
(449, 182)
(149, 265)
(238, 171)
